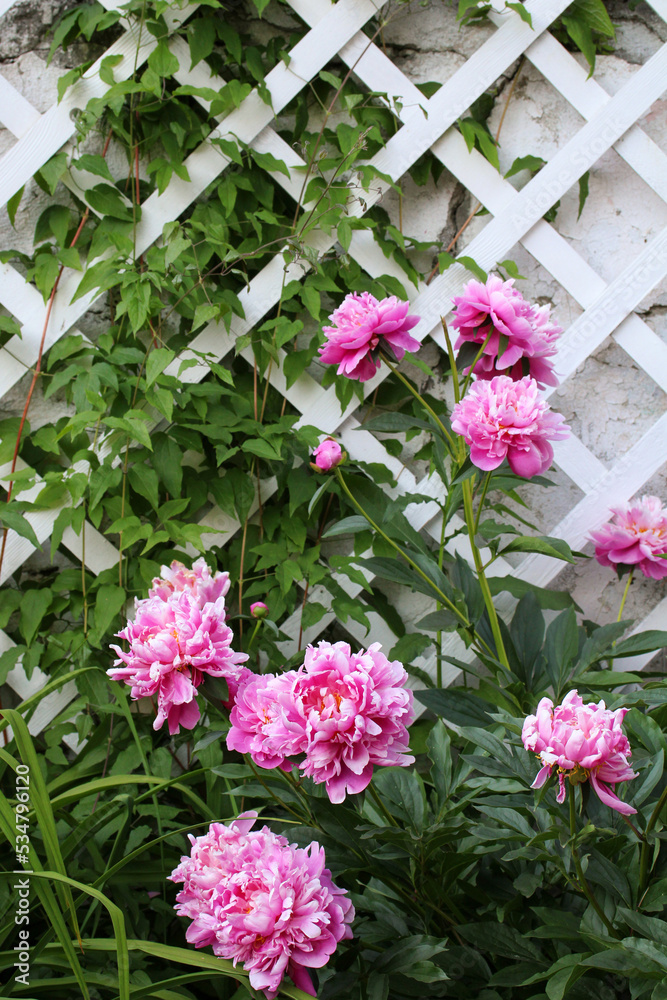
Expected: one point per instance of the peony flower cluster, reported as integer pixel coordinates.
(179, 635)
(362, 325)
(262, 902)
(506, 419)
(498, 311)
(583, 742)
(345, 712)
(637, 536)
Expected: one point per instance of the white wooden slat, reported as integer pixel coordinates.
(620, 297)
(586, 95)
(16, 114)
(553, 180)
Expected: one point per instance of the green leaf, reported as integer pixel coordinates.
(554, 547)
(17, 522)
(108, 603)
(13, 204)
(162, 61)
(143, 479)
(348, 526)
(324, 488)
(261, 448)
(157, 361)
(582, 36)
(532, 163)
(34, 605)
(457, 706)
(521, 11)
(594, 13)
(261, 5)
(167, 459)
(473, 267)
(643, 642)
(107, 200)
(409, 647)
(93, 163)
(439, 621)
(52, 171)
(201, 38)
(555, 600)
(583, 192)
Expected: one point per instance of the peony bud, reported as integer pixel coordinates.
(327, 455)
(259, 610)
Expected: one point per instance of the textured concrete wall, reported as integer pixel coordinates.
(609, 402)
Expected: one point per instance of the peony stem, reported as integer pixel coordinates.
(485, 487)
(381, 806)
(406, 382)
(643, 863)
(452, 361)
(585, 888)
(283, 805)
(252, 637)
(468, 378)
(625, 593)
(483, 582)
(441, 596)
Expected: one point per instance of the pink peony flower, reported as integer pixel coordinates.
(233, 685)
(202, 584)
(582, 742)
(266, 722)
(522, 334)
(636, 537)
(327, 455)
(363, 325)
(262, 902)
(506, 419)
(347, 712)
(259, 609)
(173, 644)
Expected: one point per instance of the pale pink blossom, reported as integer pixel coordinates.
(506, 419)
(173, 644)
(345, 712)
(521, 336)
(583, 742)
(327, 455)
(637, 536)
(362, 326)
(204, 585)
(262, 903)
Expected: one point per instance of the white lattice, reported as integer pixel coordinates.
(515, 217)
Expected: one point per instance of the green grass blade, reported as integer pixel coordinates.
(184, 956)
(47, 898)
(39, 799)
(117, 920)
